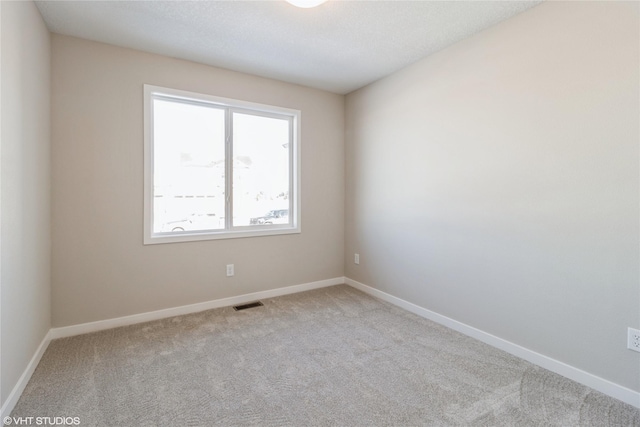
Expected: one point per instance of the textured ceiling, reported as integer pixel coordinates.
(339, 46)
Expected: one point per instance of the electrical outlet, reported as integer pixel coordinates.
(356, 258)
(633, 339)
(230, 270)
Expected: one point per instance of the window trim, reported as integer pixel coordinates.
(152, 92)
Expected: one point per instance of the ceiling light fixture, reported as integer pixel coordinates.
(306, 3)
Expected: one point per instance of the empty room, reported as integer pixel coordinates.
(307, 212)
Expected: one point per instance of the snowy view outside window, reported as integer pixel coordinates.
(197, 190)
(260, 170)
(189, 167)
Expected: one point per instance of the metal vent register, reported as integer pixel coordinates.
(248, 305)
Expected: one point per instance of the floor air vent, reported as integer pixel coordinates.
(249, 305)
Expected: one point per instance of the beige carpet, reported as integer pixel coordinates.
(329, 357)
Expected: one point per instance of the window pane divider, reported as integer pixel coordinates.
(228, 169)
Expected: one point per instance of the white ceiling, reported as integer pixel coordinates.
(339, 46)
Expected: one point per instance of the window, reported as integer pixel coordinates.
(218, 168)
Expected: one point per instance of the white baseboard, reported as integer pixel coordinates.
(15, 394)
(84, 328)
(604, 386)
(600, 384)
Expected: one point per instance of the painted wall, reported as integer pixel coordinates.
(496, 183)
(100, 268)
(25, 232)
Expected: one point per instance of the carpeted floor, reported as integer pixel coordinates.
(333, 356)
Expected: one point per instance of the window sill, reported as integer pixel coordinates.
(194, 236)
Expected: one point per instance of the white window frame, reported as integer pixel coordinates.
(231, 106)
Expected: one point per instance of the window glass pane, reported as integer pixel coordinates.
(260, 170)
(188, 166)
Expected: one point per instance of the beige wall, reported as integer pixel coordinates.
(496, 183)
(25, 189)
(100, 268)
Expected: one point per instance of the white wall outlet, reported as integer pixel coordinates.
(633, 339)
(356, 258)
(230, 270)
